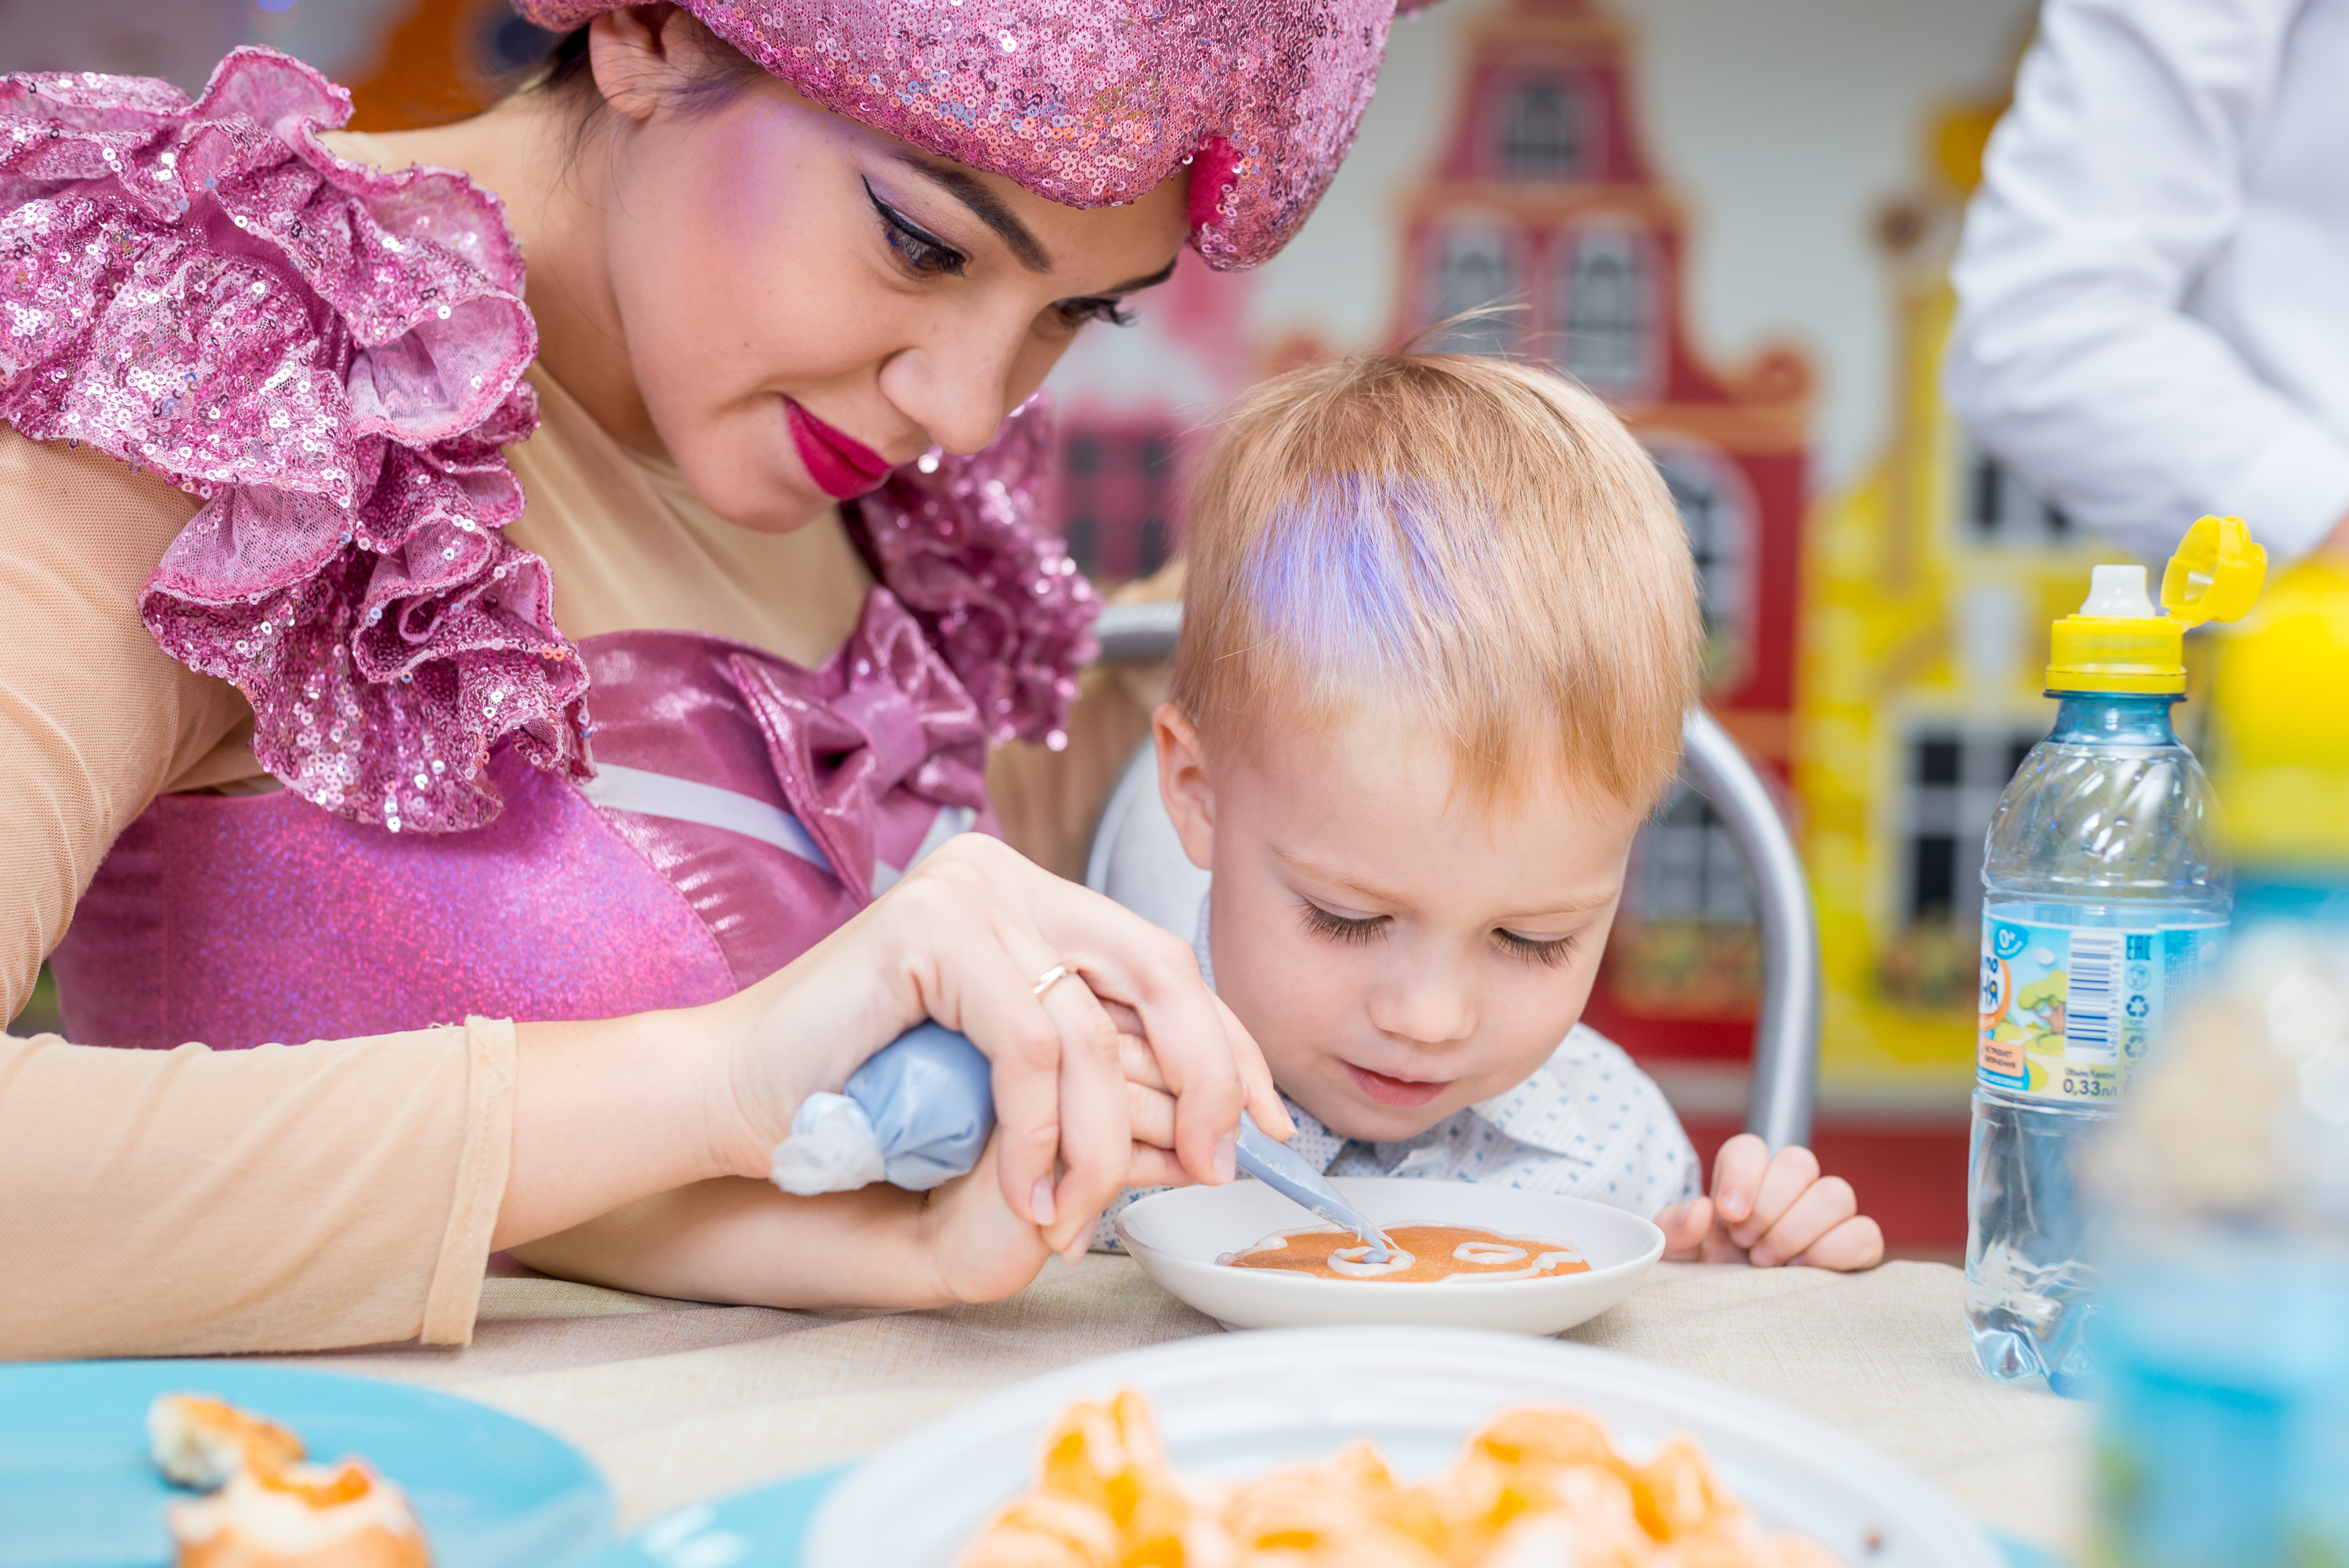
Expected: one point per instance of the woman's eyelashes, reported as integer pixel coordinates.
(1110, 312)
(922, 252)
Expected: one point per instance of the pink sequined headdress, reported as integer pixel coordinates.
(1087, 102)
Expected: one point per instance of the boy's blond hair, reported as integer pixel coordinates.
(1464, 544)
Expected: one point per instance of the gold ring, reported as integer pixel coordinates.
(1049, 978)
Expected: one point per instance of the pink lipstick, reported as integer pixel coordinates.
(841, 465)
(1387, 1090)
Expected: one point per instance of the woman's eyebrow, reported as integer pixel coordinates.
(985, 206)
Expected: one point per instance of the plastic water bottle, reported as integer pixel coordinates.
(2105, 892)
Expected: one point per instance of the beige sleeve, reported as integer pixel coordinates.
(287, 1198)
(95, 719)
(171, 1203)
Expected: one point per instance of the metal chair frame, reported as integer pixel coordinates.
(1785, 1085)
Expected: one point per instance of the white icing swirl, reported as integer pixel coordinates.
(1486, 1253)
(1354, 1262)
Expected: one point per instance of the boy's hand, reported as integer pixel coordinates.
(1768, 1210)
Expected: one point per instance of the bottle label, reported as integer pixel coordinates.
(2068, 1010)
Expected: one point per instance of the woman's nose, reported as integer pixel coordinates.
(957, 390)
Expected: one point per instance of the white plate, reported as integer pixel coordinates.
(1178, 1235)
(1242, 1404)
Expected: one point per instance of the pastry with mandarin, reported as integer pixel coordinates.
(199, 1442)
(301, 1516)
(1536, 1487)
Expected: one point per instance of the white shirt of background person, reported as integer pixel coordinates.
(2154, 279)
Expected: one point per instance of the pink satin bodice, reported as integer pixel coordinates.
(741, 809)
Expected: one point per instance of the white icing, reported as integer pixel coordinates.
(285, 1524)
(1486, 1253)
(1354, 1262)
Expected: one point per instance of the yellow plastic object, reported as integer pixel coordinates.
(2215, 576)
(2282, 698)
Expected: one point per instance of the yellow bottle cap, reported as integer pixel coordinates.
(2117, 644)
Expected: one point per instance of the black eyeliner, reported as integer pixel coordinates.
(956, 260)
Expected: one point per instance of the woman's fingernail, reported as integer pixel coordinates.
(1228, 1157)
(1734, 1204)
(1763, 1258)
(1674, 1215)
(1040, 1200)
(1076, 1250)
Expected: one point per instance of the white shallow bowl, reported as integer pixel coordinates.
(1239, 1405)
(1178, 1235)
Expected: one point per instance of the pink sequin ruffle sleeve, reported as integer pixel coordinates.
(957, 541)
(331, 357)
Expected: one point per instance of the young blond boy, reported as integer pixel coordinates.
(1440, 628)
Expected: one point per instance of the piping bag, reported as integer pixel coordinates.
(916, 1115)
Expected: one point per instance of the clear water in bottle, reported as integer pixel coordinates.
(2104, 892)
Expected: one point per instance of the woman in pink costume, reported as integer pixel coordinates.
(527, 694)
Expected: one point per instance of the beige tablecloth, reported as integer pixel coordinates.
(680, 1402)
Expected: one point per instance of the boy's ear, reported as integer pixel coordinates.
(1183, 784)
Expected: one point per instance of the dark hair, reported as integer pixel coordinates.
(568, 71)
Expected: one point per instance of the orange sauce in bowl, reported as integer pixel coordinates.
(1424, 1253)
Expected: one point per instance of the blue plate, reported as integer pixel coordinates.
(78, 1490)
(762, 1527)
(765, 1527)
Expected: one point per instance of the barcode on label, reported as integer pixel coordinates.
(2088, 996)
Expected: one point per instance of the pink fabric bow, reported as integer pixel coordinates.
(883, 725)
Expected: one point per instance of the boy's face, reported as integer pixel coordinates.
(1398, 954)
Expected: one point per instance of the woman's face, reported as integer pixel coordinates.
(807, 303)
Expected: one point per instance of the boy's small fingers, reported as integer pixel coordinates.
(1154, 1167)
(1151, 1113)
(1856, 1244)
(1789, 1176)
(1737, 1176)
(1684, 1226)
(1140, 1062)
(1825, 1204)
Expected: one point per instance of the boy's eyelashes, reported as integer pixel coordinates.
(1547, 952)
(1338, 927)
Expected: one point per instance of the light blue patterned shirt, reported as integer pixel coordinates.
(1586, 1124)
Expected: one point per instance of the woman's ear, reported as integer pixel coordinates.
(633, 50)
(1183, 784)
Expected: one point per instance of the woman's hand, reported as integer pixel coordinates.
(964, 939)
(1768, 1210)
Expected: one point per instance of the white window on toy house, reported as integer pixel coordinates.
(1541, 131)
(1953, 773)
(1995, 508)
(1606, 312)
(1469, 266)
(1717, 508)
(1686, 868)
